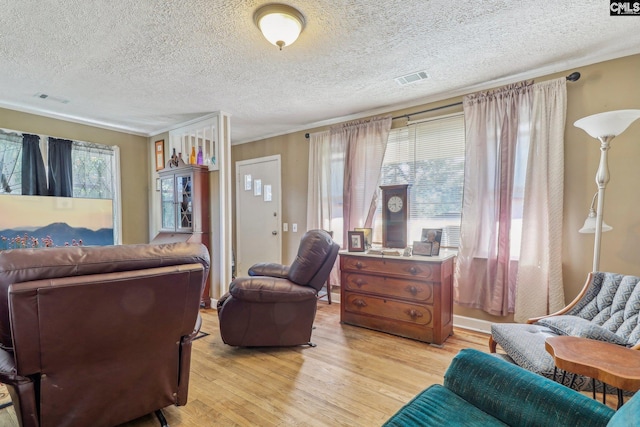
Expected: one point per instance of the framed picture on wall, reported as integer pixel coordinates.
(356, 241)
(159, 155)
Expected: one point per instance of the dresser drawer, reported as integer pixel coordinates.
(410, 290)
(387, 308)
(395, 267)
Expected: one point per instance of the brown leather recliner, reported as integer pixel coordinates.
(97, 336)
(276, 305)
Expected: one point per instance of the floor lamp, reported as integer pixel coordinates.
(604, 127)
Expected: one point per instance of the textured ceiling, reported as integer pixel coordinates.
(146, 66)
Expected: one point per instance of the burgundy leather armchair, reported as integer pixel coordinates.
(97, 336)
(276, 304)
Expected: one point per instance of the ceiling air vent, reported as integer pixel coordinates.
(412, 78)
(51, 98)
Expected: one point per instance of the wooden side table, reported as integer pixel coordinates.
(609, 363)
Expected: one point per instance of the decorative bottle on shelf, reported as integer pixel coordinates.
(174, 159)
(192, 157)
(199, 160)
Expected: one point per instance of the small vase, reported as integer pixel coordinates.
(199, 159)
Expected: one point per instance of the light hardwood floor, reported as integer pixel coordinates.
(354, 377)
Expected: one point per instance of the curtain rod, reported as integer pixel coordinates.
(575, 76)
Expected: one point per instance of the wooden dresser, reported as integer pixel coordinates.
(406, 296)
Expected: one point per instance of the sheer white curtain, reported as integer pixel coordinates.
(511, 162)
(365, 143)
(539, 288)
(318, 189)
(325, 184)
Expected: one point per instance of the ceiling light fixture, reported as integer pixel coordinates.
(280, 24)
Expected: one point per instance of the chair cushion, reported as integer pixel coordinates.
(263, 289)
(518, 397)
(437, 406)
(613, 302)
(524, 343)
(579, 327)
(315, 247)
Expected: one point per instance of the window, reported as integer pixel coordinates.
(10, 163)
(93, 170)
(429, 156)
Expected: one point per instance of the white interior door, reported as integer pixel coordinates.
(258, 206)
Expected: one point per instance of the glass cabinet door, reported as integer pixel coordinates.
(185, 202)
(167, 200)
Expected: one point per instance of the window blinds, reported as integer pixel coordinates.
(429, 156)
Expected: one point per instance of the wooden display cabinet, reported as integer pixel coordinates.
(185, 212)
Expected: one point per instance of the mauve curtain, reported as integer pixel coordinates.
(511, 231)
(365, 142)
(485, 274)
(60, 167)
(539, 287)
(34, 178)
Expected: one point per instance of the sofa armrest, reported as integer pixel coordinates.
(269, 289)
(270, 269)
(517, 396)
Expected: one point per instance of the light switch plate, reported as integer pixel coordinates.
(285, 226)
(294, 228)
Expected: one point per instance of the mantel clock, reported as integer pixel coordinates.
(395, 213)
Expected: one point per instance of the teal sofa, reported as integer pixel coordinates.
(481, 389)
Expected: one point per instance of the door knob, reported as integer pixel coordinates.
(274, 232)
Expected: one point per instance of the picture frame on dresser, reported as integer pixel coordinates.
(368, 233)
(434, 237)
(422, 248)
(356, 241)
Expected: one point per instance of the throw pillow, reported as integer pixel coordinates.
(579, 327)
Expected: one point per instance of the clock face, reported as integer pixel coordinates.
(394, 204)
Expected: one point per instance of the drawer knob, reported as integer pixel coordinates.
(359, 282)
(413, 270)
(359, 303)
(411, 289)
(414, 313)
(358, 265)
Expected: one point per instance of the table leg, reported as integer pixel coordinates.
(620, 398)
(573, 380)
(555, 372)
(604, 393)
(593, 386)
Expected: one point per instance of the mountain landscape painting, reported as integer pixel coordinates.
(42, 221)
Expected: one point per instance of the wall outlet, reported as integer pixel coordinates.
(294, 228)
(285, 226)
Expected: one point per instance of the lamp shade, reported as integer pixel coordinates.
(590, 225)
(610, 123)
(280, 24)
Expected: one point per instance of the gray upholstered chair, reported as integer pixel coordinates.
(607, 309)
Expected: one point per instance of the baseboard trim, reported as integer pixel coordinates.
(472, 324)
